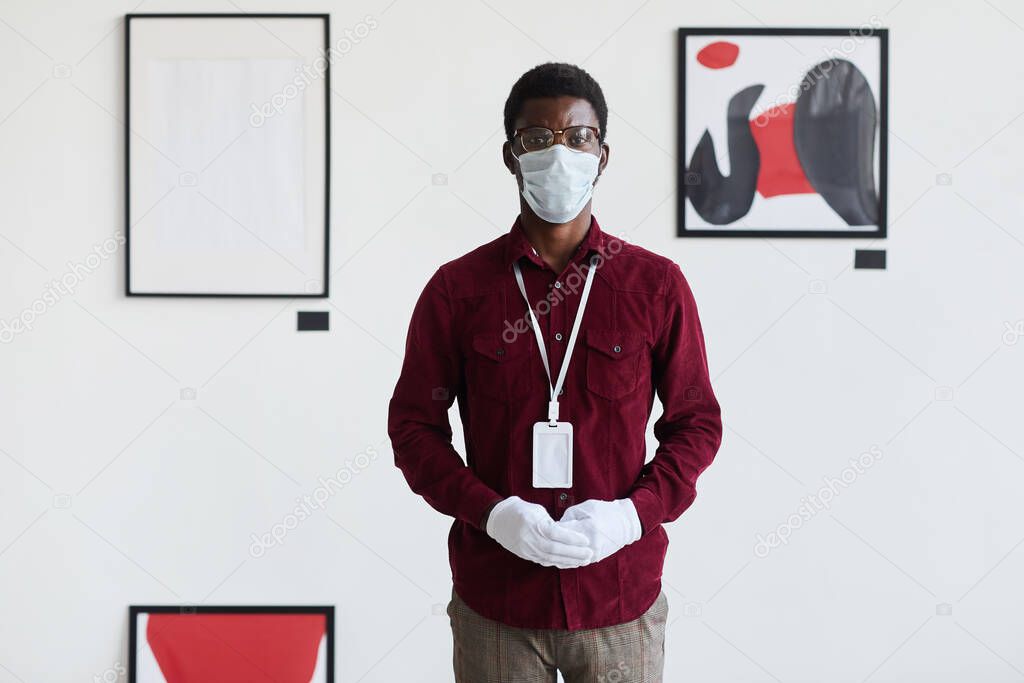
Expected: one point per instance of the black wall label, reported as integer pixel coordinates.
(869, 258)
(313, 320)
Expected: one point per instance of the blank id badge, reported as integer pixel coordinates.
(552, 455)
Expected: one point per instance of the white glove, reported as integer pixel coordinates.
(527, 530)
(609, 525)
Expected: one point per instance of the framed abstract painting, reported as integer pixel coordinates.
(782, 132)
(227, 139)
(241, 644)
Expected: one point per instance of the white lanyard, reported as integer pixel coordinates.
(557, 387)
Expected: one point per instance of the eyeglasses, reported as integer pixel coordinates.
(579, 138)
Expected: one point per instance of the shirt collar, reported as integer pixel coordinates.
(518, 246)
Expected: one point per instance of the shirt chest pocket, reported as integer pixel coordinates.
(613, 362)
(498, 369)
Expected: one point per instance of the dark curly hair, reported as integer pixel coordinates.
(555, 79)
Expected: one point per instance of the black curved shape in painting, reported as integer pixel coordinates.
(834, 134)
(722, 199)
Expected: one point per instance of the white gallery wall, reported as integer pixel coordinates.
(145, 443)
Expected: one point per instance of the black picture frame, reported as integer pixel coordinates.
(135, 610)
(325, 18)
(881, 231)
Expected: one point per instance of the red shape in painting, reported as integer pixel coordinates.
(236, 648)
(781, 172)
(718, 55)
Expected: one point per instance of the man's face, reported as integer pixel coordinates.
(555, 113)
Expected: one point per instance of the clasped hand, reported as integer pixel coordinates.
(588, 532)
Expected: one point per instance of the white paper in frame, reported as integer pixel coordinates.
(227, 190)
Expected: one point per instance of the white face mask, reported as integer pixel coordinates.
(558, 181)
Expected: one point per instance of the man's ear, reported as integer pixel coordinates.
(605, 151)
(506, 155)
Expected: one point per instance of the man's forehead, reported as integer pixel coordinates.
(556, 110)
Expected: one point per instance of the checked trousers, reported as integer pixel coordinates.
(486, 651)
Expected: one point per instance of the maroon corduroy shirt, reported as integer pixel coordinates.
(470, 341)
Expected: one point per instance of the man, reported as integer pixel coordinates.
(557, 546)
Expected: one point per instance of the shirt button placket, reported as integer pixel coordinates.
(561, 319)
(556, 323)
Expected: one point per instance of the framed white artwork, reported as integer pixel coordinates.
(227, 144)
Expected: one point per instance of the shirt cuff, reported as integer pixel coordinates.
(485, 515)
(648, 509)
